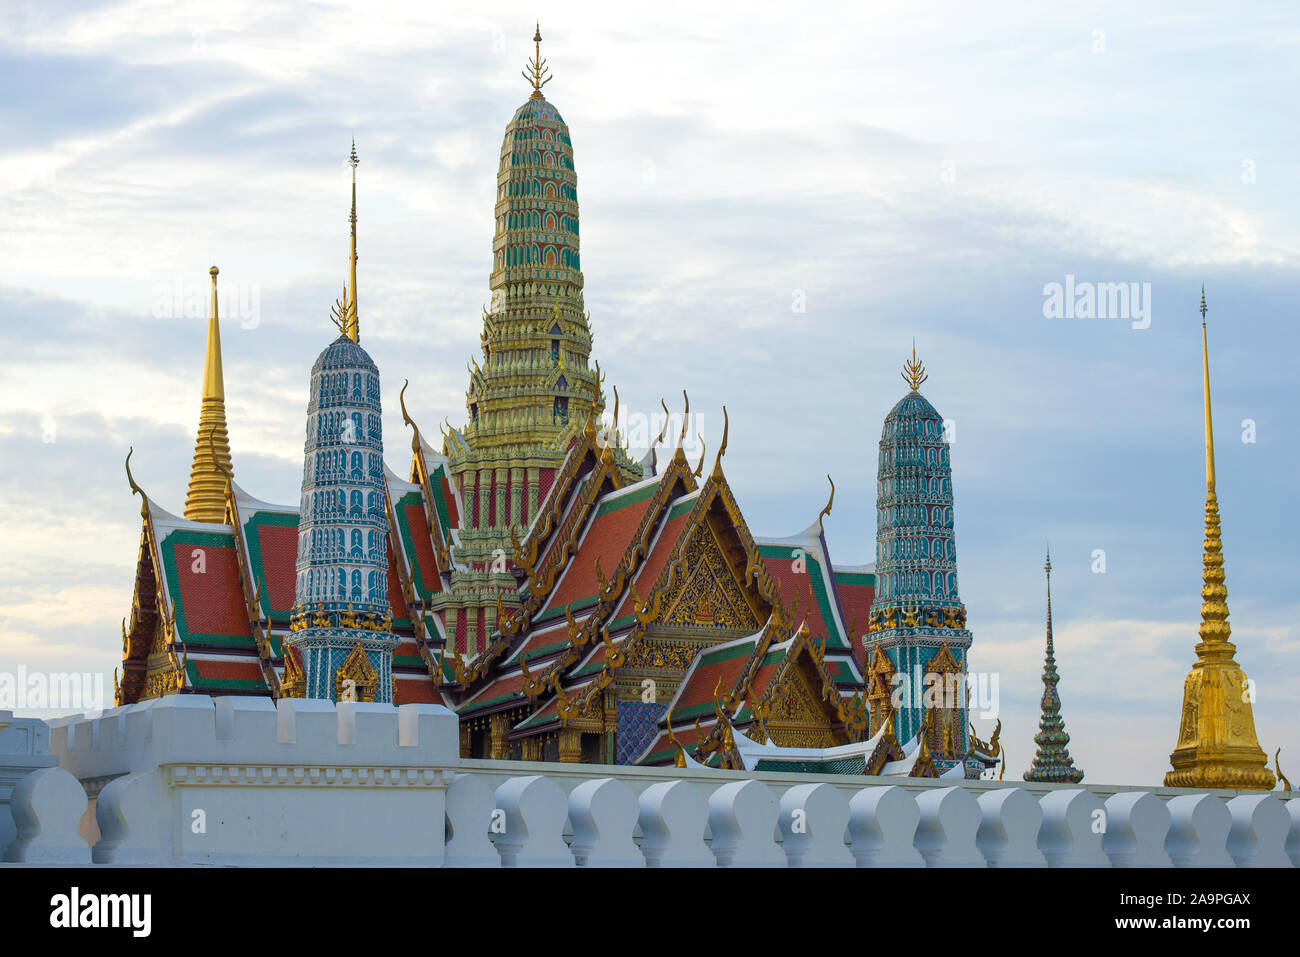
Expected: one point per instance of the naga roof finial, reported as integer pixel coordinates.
(135, 489)
(914, 371)
(686, 417)
(722, 449)
(406, 418)
(829, 502)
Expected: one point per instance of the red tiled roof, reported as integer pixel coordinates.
(795, 587)
(607, 538)
(395, 600)
(654, 562)
(762, 677)
(449, 500)
(279, 547)
(235, 669)
(700, 687)
(415, 691)
(424, 557)
(683, 731)
(856, 601)
(210, 596)
(501, 686)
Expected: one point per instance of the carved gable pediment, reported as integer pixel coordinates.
(356, 679)
(709, 596)
(794, 711)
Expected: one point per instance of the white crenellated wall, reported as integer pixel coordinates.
(24, 748)
(189, 779)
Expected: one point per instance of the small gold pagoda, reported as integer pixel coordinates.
(205, 500)
(1217, 747)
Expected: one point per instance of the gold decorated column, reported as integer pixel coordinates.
(1217, 747)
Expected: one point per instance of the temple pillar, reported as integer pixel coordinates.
(499, 728)
(502, 475)
(570, 745)
(484, 498)
(516, 498)
(530, 748)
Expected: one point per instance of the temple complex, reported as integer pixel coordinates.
(567, 602)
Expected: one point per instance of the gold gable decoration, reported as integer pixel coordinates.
(293, 683)
(356, 679)
(709, 595)
(943, 724)
(796, 719)
(880, 689)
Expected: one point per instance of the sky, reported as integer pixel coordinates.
(775, 204)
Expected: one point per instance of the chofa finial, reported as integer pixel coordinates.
(829, 502)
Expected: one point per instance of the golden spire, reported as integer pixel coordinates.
(537, 74)
(914, 372)
(1217, 746)
(353, 330)
(206, 499)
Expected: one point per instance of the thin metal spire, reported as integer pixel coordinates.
(354, 331)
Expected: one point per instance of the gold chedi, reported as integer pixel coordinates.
(205, 500)
(1217, 747)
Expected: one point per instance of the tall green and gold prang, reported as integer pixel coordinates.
(535, 387)
(1217, 747)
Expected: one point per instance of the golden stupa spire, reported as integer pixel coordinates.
(206, 499)
(914, 372)
(1217, 747)
(536, 73)
(353, 330)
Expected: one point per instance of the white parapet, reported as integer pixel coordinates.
(24, 748)
(1010, 820)
(192, 780)
(47, 804)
